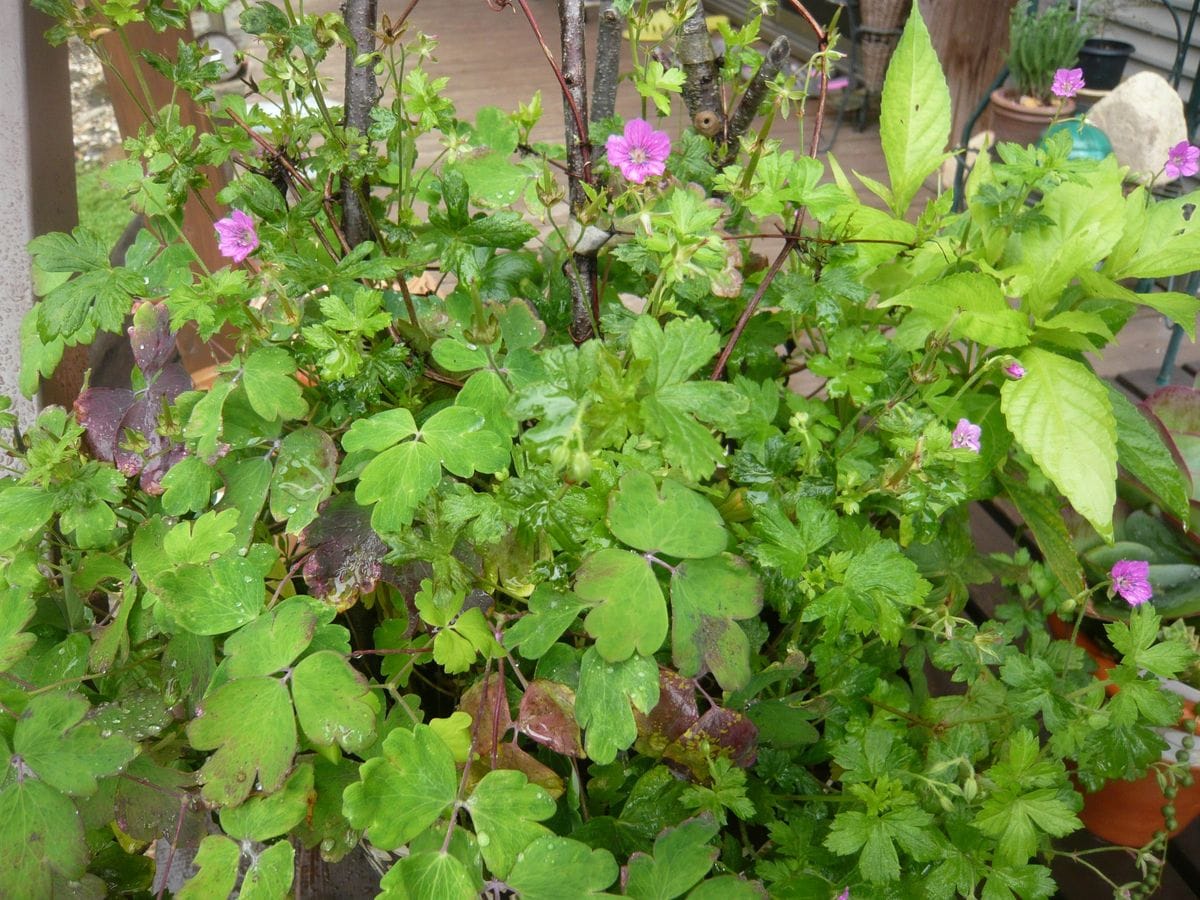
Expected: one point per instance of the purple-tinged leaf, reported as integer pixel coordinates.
(718, 729)
(675, 713)
(487, 704)
(151, 338)
(100, 411)
(347, 555)
(547, 715)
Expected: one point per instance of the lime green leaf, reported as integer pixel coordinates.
(1180, 308)
(428, 876)
(197, 541)
(682, 856)
(214, 598)
(398, 480)
(205, 424)
(62, 750)
(631, 614)
(1167, 243)
(554, 867)
(463, 443)
(1045, 521)
(674, 353)
(187, 486)
(303, 477)
(41, 836)
(707, 595)
(670, 519)
(455, 732)
(17, 607)
(334, 703)
(914, 118)
(271, 641)
(404, 791)
(1061, 415)
(455, 355)
(263, 818)
(24, 512)
(602, 703)
(970, 305)
(246, 484)
(217, 860)
(551, 612)
(270, 877)
(1141, 452)
(273, 392)
(486, 393)
(505, 809)
(380, 431)
(249, 723)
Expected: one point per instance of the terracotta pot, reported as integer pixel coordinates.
(1020, 123)
(1128, 813)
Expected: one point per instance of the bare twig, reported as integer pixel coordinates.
(702, 89)
(362, 93)
(608, 63)
(747, 108)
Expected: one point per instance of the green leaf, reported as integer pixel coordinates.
(1163, 238)
(197, 541)
(602, 703)
(670, 518)
(24, 512)
(41, 837)
(404, 791)
(17, 607)
(968, 304)
(263, 818)
(334, 703)
(463, 443)
(682, 856)
(62, 749)
(303, 477)
(553, 867)
(1141, 452)
(551, 612)
(270, 877)
(249, 723)
(1061, 415)
(380, 431)
(505, 809)
(273, 392)
(707, 595)
(875, 838)
(214, 598)
(272, 641)
(187, 486)
(1044, 518)
(675, 353)
(914, 118)
(432, 875)
(398, 480)
(205, 424)
(629, 613)
(217, 861)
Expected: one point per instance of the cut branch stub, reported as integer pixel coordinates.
(702, 89)
(747, 108)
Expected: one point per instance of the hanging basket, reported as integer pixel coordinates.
(876, 50)
(884, 14)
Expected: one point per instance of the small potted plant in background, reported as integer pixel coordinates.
(1040, 46)
(1101, 58)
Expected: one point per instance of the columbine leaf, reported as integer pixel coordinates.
(303, 477)
(397, 480)
(667, 518)
(428, 876)
(24, 512)
(187, 486)
(249, 723)
(551, 612)
(63, 750)
(17, 607)
(404, 791)
(602, 704)
(271, 641)
(334, 703)
(273, 392)
(630, 613)
(214, 598)
(547, 715)
(41, 836)
(914, 118)
(505, 809)
(554, 867)
(380, 431)
(263, 818)
(1060, 413)
(217, 861)
(682, 856)
(460, 438)
(707, 595)
(270, 877)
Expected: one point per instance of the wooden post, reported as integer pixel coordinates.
(971, 40)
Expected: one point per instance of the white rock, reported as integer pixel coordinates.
(1143, 118)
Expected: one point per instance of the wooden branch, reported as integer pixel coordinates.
(362, 93)
(583, 288)
(702, 89)
(608, 63)
(747, 108)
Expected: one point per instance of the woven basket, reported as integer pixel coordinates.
(876, 51)
(883, 14)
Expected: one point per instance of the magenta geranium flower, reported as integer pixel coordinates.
(1131, 581)
(1183, 159)
(844, 895)
(1015, 370)
(641, 152)
(237, 238)
(966, 436)
(1067, 83)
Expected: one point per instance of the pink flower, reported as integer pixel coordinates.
(844, 895)
(966, 436)
(1183, 159)
(641, 152)
(1131, 581)
(1015, 370)
(237, 237)
(1067, 83)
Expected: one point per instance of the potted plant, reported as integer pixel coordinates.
(550, 583)
(1040, 45)
(1102, 59)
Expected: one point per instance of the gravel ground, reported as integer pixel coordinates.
(95, 127)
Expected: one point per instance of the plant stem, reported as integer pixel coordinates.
(362, 93)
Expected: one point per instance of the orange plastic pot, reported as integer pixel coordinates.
(1128, 813)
